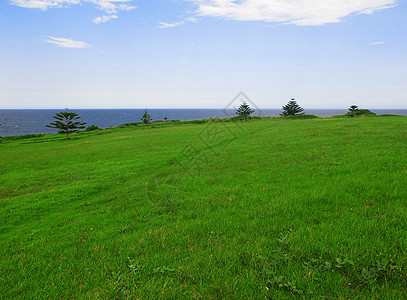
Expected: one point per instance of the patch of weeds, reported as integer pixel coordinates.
(284, 239)
(280, 282)
(265, 267)
(321, 265)
(123, 230)
(163, 270)
(124, 281)
(316, 265)
(134, 268)
(245, 259)
(343, 264)
(376, 272)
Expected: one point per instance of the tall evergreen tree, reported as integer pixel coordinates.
(353, 109)
(67, 123)
(146, 118)
(292, 109)
(244, 110)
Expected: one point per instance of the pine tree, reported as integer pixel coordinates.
(65, 122)
(353, 109)
(292, 109)
(146, 118)
(244, 110)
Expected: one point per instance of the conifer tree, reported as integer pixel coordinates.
(244, 110)
(146, 118)
(353, 109)
(67, 123)
(292, 109)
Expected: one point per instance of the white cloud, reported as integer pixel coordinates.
(126, 7)
(104, 19)
(67, 43)
(43, 4)
(192, 19)
(298, 12)
(108, 6)
(377, 43)
(169, 25)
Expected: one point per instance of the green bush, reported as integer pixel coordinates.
(390, 115)
(361, 113)
(196, 121)
(302, 117)
(357, 113)
(20, 137)
(92, 128)
(237, 118)
(130, 124)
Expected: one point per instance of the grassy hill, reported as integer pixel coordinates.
(274, 208)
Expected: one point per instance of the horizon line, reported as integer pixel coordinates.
(217, 108)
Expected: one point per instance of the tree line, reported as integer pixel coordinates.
(68, 122)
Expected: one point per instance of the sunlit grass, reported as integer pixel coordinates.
(267, 208)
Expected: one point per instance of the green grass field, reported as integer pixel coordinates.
(268, 208)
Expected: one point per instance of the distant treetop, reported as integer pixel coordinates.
(244, 110)
(292, 109)
(146, 118)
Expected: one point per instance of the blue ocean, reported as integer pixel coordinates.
(28, 121)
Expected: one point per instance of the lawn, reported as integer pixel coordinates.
(271, 207)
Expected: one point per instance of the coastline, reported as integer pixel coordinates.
(6, 131)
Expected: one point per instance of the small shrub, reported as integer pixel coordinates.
(130, 124)
(20, 137)
(92, 128)
(361, 113)
(390, 115)
(357, 113)
(303, 117)
(237, 118)
(197, 121)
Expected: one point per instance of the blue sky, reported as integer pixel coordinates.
(201, 53)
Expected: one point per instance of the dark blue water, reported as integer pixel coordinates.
(26, 121)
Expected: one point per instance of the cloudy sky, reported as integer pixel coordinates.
(201, 53)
